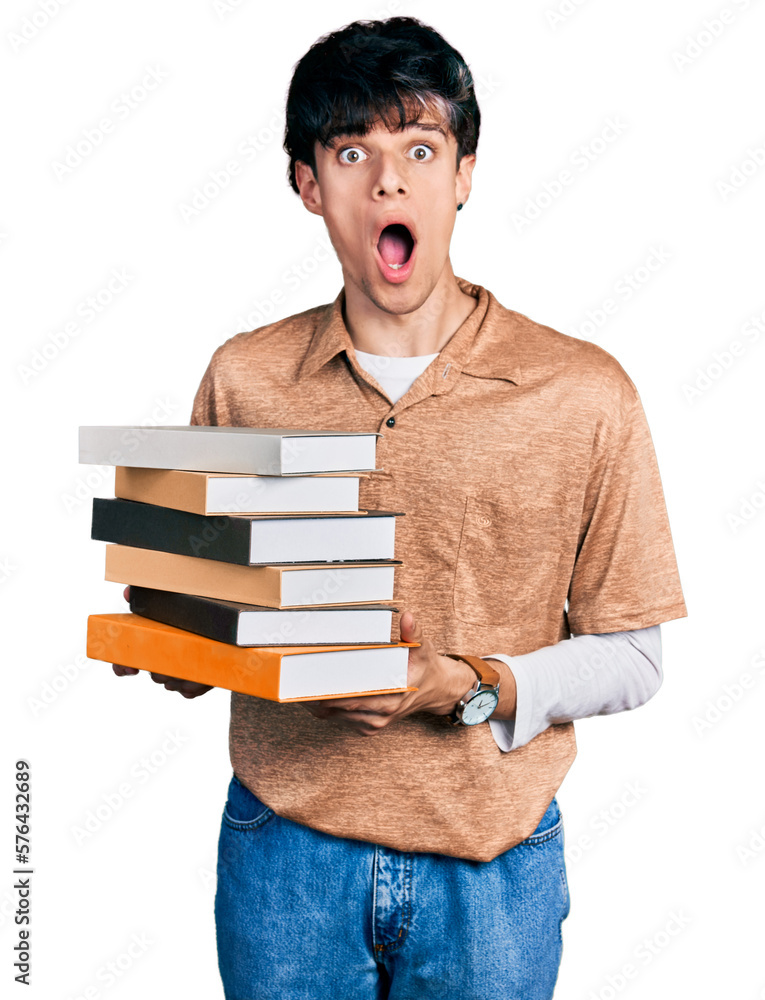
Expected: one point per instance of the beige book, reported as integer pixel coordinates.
(230, 493)
(288, 586)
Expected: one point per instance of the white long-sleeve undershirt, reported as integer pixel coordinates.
(574, 679)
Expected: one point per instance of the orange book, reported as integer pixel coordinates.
(277, 673)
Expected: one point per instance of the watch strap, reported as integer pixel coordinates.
(486, 672)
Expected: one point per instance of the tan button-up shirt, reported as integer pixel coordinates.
(524, 465)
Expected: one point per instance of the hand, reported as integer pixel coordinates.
(440, 680)
(189, 689)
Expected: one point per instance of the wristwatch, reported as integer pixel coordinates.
(481, 700)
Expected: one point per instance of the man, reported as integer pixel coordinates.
(427, 861)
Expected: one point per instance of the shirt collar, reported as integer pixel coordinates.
(484, 346)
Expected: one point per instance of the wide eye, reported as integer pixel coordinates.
(422, 152)
(352, 155)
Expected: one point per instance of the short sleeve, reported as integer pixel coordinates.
(625, 575)
(203, 413)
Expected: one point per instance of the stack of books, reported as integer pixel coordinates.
(250, 565)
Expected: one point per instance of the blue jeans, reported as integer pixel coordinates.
(303, 915)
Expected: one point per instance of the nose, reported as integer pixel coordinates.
(391, 177)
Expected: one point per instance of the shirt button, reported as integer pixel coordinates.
(391, 421)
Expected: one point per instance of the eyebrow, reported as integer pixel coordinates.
(427, 128)
(424, 126)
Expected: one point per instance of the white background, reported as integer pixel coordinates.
(661, 803)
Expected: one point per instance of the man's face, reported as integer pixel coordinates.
(389, 201)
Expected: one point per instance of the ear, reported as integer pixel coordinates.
(464, 178)
(310, 193)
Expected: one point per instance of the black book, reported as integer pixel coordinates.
(253, 625)
(247, 539)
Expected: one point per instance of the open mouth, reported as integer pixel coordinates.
(395, 245)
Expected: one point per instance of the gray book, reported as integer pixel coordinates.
(269, 451)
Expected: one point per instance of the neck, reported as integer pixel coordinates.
(426, 329)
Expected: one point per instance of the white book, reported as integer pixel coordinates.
(327, 627)
(262, 451)
(337, 672)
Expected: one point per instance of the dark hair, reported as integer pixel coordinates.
(391, 70)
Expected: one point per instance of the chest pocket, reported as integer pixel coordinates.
(507, 563)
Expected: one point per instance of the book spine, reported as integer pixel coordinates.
(182, 448)
(162, 487)
(125, 639)
(187, 575)
(187, 612)
(146, 526)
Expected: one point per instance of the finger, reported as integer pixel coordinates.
(189, 689)
(358, 716)
(365, 718)
(374, 704)
(121, 671)
(366, 726)
(173, 684)
(193, 691)
(164, 679)
(410, 628)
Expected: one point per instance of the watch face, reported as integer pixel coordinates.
(479, 708)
